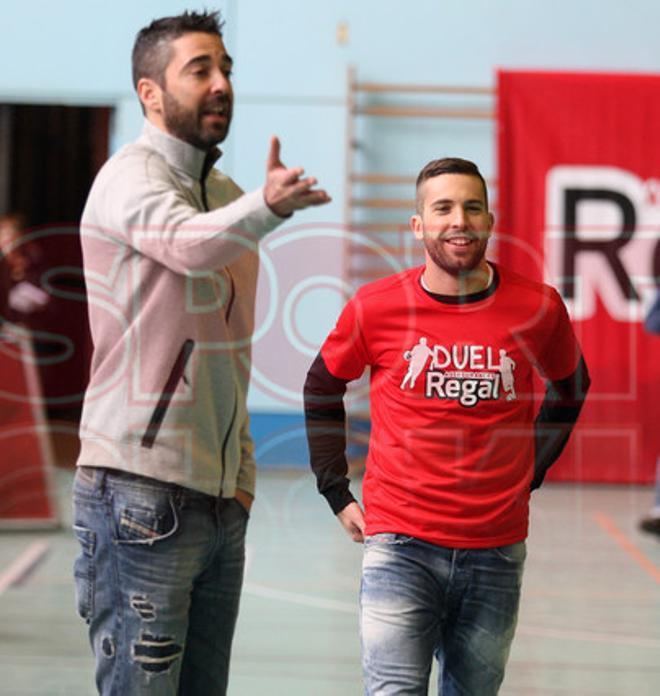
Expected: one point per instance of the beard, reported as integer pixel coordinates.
(458, 262)
(187, 124)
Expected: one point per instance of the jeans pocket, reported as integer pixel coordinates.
(84, 572)
(86, 485)
(86, 476)
(243, 512)
(513, 553)
(145, 521)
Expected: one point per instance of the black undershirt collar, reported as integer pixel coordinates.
(466, 299)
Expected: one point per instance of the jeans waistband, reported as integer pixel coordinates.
(187, 497)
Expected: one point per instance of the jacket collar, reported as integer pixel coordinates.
(180, 155)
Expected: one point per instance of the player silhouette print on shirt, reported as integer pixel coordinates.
(507, 366)
(417, 357)
(467, 374)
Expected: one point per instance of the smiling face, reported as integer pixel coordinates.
(195, 101)
(454, 223)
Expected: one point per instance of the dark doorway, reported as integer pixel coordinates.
(49, 155)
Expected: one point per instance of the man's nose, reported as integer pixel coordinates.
(220, 82)
(459, 218)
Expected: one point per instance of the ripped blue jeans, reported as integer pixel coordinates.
(158, 581)
(419, 600)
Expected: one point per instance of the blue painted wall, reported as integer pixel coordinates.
(290, 79)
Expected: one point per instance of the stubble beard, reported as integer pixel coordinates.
(185, 124)
(458, 268)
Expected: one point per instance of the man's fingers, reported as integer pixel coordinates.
(358, 531)
(274, 161)
(301, 187)
(291, 176)
(298, 187)
(313, 198)
(285, 191)
(352, 519)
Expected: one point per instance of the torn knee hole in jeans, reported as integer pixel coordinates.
(108, 647)
(155, 653)
(143, 607)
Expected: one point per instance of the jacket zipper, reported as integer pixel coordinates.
(163, 404)
(230, 305)
(225, 442)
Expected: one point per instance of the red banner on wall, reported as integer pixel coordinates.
(26, 461)
(579, 207)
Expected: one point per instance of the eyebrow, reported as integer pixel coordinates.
(205, 59)
(441, 201)
(445, 201)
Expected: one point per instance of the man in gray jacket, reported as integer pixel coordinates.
(166, 471)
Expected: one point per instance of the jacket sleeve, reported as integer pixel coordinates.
(556, 418)
(141, 204)
(325, 420)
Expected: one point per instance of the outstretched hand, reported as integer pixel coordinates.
(352, 519)
(285, 191)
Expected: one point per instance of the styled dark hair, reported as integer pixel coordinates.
(448, 165)
(152, 47)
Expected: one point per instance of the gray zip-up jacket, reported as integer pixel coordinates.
(171, 292)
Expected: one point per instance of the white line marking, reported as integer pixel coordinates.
(537, 631)
(297, 598)
(588, 636)
(23, 564)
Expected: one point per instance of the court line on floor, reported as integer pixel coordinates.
(23, 565)
(264, 591)
(643, 561)
(254, 588)
(589, 636)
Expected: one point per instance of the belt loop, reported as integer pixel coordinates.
(102, 474)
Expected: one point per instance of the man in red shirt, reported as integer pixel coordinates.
(455, 446)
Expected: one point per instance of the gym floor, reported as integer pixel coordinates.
(589, 622)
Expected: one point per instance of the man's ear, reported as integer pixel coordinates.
(151, 95)
(417, 226)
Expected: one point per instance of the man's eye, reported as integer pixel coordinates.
(227, 72)
(200, 72)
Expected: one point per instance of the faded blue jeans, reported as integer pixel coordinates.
(418, 600)
(158, 581)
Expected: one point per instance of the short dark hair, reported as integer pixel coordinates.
(448, 165)
(152, 47)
